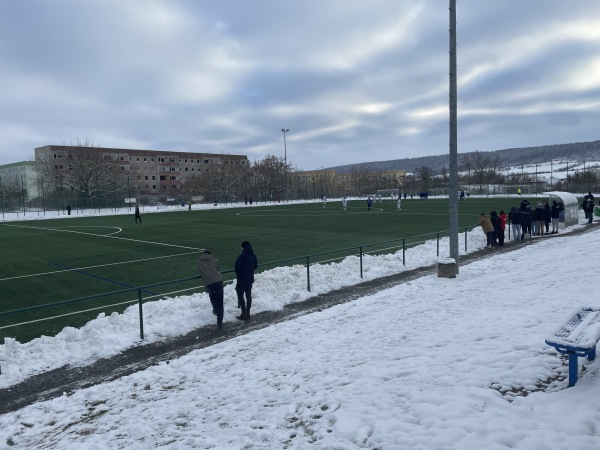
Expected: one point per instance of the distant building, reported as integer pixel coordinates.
(316, 183)
(21, 176)
(150, 171)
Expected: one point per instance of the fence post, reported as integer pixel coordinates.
(141, 314)
(465, 239)
(308, 273)
(361, 261)
(437, 240)
(404, 252)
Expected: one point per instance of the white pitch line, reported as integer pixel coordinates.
(93, 267)
(105, 236)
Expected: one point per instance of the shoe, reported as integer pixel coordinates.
(219, 323)
(242, 316)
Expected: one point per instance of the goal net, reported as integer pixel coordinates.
(514, 189)
(388, 193)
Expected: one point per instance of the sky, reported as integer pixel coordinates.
(353, 81)
(433, 363)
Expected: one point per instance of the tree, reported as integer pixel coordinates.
(84, 174)
(269, 177)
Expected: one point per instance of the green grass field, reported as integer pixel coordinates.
(52, 260)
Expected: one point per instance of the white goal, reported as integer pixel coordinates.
(388, 193)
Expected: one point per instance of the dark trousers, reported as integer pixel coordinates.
(526, 228)
(138, 217)
(215, 293)
(244, 304)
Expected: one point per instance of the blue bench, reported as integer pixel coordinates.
(577, 337)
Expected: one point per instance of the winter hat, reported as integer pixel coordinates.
(245, 244)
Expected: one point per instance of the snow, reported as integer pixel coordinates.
(434, 363)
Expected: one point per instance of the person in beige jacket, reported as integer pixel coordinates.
(488, 229)
(208, 266)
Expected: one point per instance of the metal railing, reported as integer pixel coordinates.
(307, 260)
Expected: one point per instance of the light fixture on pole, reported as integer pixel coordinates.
(285, 130)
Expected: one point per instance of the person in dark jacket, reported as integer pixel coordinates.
(540, 214)
(588, 208)
(514, 217)
(137, 214)
(555, 214)
(496, 223)
(245, 265)
(208, 266)
(548, 218)
(526, 220)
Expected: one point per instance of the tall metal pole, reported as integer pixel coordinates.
(285, 130)
(453, 140)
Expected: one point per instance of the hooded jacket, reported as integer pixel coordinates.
(208, 266)
(245, 265)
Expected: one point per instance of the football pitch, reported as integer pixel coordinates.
(54, 260)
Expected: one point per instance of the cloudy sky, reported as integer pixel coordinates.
(354, 81)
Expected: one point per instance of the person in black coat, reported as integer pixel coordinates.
(496, 222)
(526, 221)
(245, 265)
(588, 208)
(548, 218)
(514, 217)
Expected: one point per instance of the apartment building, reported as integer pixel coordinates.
(21, 176)
(151, 171)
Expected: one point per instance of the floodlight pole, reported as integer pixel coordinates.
(453, 140)
(285, 130)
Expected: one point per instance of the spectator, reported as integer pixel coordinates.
(548, 216)
(245, 265)
(496, 223)
(514, 218)
(588, 208)
(502, 217)
(488, 229)
(555, 214)
(540, 214)
(208, 266)
(526, 220)
(534, 221)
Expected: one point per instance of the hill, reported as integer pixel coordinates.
(576, 152)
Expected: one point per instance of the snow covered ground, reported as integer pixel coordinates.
(431, 364)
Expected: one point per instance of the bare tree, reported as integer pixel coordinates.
(269, 177)
(84, 173)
